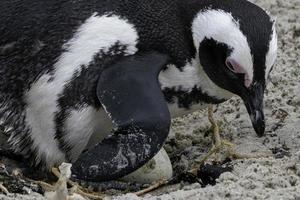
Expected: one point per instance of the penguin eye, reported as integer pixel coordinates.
(234, 66)
(230, 66)
(239, 71)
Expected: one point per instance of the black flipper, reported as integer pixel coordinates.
(130, 92)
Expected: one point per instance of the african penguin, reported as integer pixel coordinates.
(120, 70)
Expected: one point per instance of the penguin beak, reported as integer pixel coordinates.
(253, 100)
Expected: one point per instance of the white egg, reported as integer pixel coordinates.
(156, 169)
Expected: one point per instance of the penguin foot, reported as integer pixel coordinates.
(217, 148)
(220, 146)
(224, 144)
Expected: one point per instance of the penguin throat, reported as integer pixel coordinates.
(192, 76)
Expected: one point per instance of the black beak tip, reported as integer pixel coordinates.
(253, 99)
(258, 122)
(260, 130)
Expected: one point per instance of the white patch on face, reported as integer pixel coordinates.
(192, 75)
(221, 26)
(97, 33)
(272, 53)
(80, 126)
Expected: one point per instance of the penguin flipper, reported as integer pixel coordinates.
(130, 93)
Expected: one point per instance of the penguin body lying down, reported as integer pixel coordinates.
(71, 69)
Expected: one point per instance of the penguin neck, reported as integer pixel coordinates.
(190, 85)
(208, 87)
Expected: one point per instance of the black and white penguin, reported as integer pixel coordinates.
(71, 69)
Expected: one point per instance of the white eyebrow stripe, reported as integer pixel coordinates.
(213, 24)
(272, 53)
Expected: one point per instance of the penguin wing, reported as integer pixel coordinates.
(130, 93)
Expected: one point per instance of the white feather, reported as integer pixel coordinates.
(95, 34)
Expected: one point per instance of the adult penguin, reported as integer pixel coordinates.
(69, 69)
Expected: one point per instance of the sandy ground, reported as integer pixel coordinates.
(263, 178)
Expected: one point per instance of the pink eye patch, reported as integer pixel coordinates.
(235, 67)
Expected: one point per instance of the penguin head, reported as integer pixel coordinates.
(237, 51)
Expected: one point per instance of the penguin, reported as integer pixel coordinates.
(118, 71)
